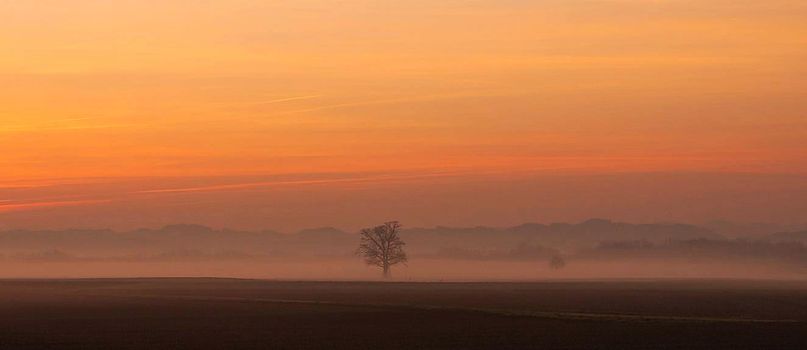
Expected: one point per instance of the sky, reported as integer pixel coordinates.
(291, 114)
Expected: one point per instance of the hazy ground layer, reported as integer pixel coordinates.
(232, 314)
(421, 269)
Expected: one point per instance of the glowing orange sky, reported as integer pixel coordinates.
(102, 92)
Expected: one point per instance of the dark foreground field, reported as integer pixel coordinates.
(251, 314)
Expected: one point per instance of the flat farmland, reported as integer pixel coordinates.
(169, 313)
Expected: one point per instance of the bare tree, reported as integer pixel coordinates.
(557, 262)
(382, 246)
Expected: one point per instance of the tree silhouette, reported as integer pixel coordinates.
(557, 262)
(382, 246)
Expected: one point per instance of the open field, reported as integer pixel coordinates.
(245, 314)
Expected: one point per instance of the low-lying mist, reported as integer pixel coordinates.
(427, 269)
(594, 249)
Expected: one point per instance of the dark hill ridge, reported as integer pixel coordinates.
(799, 236)
(585, 234)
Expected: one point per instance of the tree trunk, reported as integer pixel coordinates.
(386, 271)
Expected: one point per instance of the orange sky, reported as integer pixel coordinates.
(103, 102)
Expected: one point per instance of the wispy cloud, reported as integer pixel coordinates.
(121, 194)
(259, 184)
(39, 205)
(61, 124)
(52, 182)
(287, 99)
(363, 103)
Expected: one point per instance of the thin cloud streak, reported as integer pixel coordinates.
(217, 188)
(4, 208)
(62, 124)
(13, 205)
(388, 101)
(8, 205)
(288, 99)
